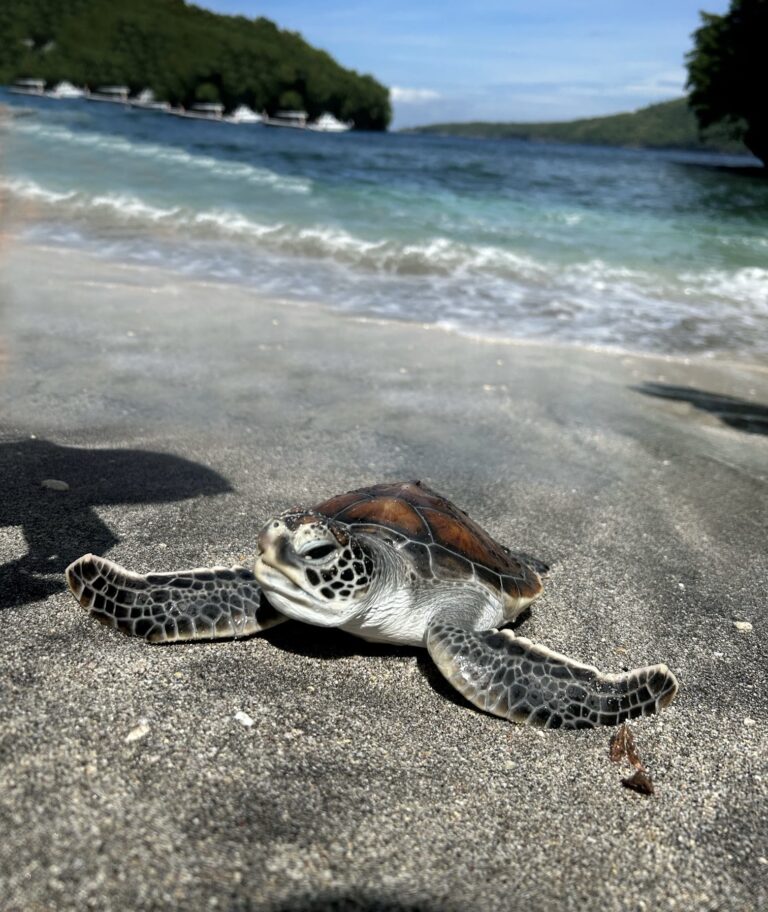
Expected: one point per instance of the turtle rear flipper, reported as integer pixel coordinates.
(518, 680)
(202, 604)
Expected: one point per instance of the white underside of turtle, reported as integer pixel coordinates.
(392, 563)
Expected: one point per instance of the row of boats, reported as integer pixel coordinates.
(296, 120)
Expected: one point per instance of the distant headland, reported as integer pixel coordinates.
(185, 55)
(668, 125)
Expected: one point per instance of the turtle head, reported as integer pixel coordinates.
(313, 569)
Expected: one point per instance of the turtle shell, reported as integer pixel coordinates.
(443, 542)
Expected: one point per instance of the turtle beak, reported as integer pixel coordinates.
(270, 537)
(276, 555)
(275, 550)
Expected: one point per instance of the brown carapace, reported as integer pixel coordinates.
(425, 520)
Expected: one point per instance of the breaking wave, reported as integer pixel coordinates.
(465, 287)
(172, 156)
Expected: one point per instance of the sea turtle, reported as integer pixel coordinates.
(391, 563)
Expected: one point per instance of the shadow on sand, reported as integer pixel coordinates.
(750, 417)
(59, 526)
(331, 643)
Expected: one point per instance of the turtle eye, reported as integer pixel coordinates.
(318, 552)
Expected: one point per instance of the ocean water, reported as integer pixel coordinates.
(630, 249)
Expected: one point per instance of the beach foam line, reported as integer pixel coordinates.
(237, 224)
(30, 190)
(165, 155)
(476, 270)
(131, 206)
(624, 320)
(748, 284)
(119, 203)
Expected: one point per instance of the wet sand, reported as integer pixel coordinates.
(183, 414)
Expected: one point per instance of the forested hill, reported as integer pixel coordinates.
(669, 125)
(185, 54)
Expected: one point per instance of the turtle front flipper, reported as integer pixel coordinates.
(202, 604)
(518, 680)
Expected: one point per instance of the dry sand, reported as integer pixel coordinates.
(183, 414)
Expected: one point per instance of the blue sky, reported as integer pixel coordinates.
(496, 60)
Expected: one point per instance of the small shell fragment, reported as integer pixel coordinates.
(136, 734)
(54, 484)
(742, 626)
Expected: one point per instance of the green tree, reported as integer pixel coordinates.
(207, 92)
(728, 73)
(291, 101)
(184, 54)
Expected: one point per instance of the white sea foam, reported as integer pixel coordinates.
(748, 285)
(131, 207)
(571, 219)
(234, 223)
(479, 287)
(165, 155)
(30, 190)
(437, 257)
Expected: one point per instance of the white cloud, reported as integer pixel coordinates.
(667, 82)
(412, 96)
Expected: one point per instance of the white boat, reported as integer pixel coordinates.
(28, 87)
(243, 115)
(210, 110)
(65, 90)
(327, 123)
(296, 120)
(146, 100)
(115, 94)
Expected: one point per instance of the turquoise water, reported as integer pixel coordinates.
(650, 251)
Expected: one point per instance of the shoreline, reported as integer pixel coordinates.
(181, 415)
(165, 275)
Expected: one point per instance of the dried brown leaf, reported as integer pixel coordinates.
(623, 745)
(640, 782)
(617, 748)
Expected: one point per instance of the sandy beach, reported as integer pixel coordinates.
(181, 414)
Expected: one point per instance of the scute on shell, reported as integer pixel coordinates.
(424, 517)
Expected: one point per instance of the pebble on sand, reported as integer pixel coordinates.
(742, 626)
(244, 719)
(136, 734)
(54, 484)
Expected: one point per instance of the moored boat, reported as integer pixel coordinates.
(147, 101)
(116, 94)
(28, 87)
(327, 123)
(243, 115)
(209, 110)
(296, 120)
(65, 90)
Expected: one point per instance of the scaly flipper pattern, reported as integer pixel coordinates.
(518, 680)
(203, 604)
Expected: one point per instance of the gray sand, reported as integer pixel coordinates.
(363, 783)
